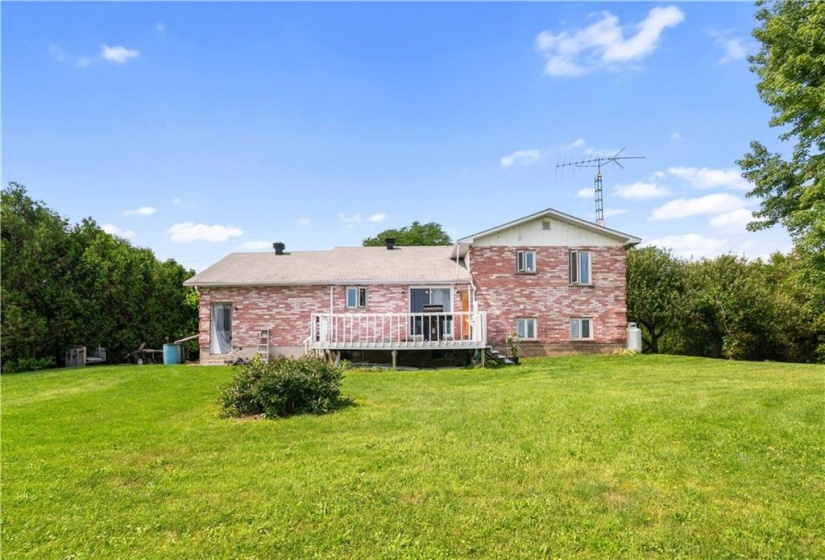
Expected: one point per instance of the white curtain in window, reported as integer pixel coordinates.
(221, 339)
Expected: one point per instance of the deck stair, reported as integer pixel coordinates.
(263, 345)
(496, 357)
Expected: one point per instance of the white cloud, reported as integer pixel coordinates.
(522, 157)
(614, 212)
(379, 217)
(142, 211)
(585, 193)
(83, 62)
(349, 219)
(710, 204)
(734, 221)
(603, 43)
(177, 201)
(690, 245)
(574, 144)
(707, 178)
(114, 230)
(160, 29)
(188, 231)
(254, 245)
(675, 136)
(640, 191)
(303, 221)
(599, 152)
(58, 53)
(734, 48)
(118, 55)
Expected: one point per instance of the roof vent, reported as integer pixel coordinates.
(390, 241)
(279, 248)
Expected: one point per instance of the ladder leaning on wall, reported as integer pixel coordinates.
(263, 345)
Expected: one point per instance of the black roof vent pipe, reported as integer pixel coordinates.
(279, 248)
(390, 241)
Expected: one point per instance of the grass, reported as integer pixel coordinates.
(584, 457)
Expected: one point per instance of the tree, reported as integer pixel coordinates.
(728, 311)
(36, 256)
(799, 301)
(415, 234)
(66, 285)
(791, 70)
(655, 288)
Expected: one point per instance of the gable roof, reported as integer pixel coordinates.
(342, 265)
(625, 239)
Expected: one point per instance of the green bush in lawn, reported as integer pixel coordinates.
(284, 387)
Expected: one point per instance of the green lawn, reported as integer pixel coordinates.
(585, 457)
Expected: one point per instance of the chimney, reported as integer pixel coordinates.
(390, 241)
(279, 248)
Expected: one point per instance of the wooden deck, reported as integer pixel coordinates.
(398, 331)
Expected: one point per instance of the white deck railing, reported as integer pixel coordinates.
(353, 331)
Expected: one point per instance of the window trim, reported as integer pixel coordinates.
(360, 297)
(521, 261)
(524, 321)
(580, 321)
(575, 268)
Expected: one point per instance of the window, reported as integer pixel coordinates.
(356, 297)
(526, 328)
(526, 261)
(580, 267)
(581, 329)
(427, 321)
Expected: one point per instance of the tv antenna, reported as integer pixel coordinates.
(597, 162)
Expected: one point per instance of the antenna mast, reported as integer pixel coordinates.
(597, 181)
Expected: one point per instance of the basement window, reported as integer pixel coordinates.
(356, 297)
(526, 328)
(581, 329)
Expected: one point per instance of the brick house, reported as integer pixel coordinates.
(555, 280)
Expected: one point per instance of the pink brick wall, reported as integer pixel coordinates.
(286, 310)
(500, 291)
(548, 296)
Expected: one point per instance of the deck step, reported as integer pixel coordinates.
(495, 356)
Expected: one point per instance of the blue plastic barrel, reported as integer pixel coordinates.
(171, 354)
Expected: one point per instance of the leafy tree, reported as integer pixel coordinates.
(799, 302)
(66, 285)
(791, 70)
(655, 290)
(728, 310)
(415, 234)
(36, 257)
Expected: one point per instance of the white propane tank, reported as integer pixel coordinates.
(634, 337)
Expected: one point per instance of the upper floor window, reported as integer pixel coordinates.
(580, 267)
(526, 261)
(356, 297)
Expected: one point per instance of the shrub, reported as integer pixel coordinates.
(27, 364)
(283, 387)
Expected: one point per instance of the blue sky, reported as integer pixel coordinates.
(199, 129)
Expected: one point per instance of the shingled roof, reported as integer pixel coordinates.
(350, 265)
